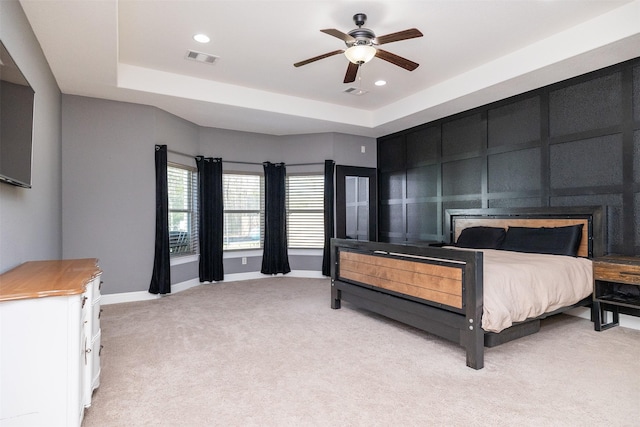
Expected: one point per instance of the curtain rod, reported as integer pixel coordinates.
(180, 154)
(260, 164)
(243, 163)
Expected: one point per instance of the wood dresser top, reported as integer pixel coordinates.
(38, 279)
(618, 259)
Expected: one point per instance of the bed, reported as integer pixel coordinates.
(440, 288)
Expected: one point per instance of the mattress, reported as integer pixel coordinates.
(518, 286)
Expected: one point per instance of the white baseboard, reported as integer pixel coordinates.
(183, 286)
(626, 321)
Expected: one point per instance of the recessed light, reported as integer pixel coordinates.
(201, 38)
(380, 83)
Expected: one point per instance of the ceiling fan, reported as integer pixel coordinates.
(361, 47)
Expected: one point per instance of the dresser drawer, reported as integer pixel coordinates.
(96, 286)
(97, 353)
(617, 272)
(97, 313)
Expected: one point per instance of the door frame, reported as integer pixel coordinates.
(341, 202)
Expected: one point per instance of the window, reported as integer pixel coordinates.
(243, 211)
(305, 211)
(183, 217)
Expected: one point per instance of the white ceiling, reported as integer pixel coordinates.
(472, 53)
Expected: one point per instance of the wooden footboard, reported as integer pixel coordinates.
(436, 290)
(440, 290)
(441, 284)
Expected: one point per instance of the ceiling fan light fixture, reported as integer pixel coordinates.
(360, 54)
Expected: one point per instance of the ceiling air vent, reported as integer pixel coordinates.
(355, 91)
(201, 57)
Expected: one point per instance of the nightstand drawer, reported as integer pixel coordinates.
(619, 273)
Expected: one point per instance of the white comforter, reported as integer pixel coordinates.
(518, 286)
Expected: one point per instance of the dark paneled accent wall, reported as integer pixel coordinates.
(573, 143)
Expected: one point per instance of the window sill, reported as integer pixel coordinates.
(185, 259)
(258, 253)
(308, 252)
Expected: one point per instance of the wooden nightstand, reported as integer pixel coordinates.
(614, 278)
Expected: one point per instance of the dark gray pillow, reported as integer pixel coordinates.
(481, 237)
(544, 240)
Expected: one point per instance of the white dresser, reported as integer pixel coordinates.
(49, 342)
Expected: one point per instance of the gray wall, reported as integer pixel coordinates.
(30, 219)
(292, 150)
(109, 189)
(108, 184)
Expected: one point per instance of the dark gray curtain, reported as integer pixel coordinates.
(210, 218)
(275, 258)
(161, 278)
(328, 216)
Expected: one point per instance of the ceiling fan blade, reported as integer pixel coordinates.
(396, 60)
(352, 72)
(317, 58)
(339, 34)
(411, 33)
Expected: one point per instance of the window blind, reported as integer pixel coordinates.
(183, 217)
(305, 213)
(243, 211)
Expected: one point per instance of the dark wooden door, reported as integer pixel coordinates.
(356, 203)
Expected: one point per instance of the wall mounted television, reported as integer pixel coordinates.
(16, 123)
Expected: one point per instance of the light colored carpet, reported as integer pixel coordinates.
(272, 352)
